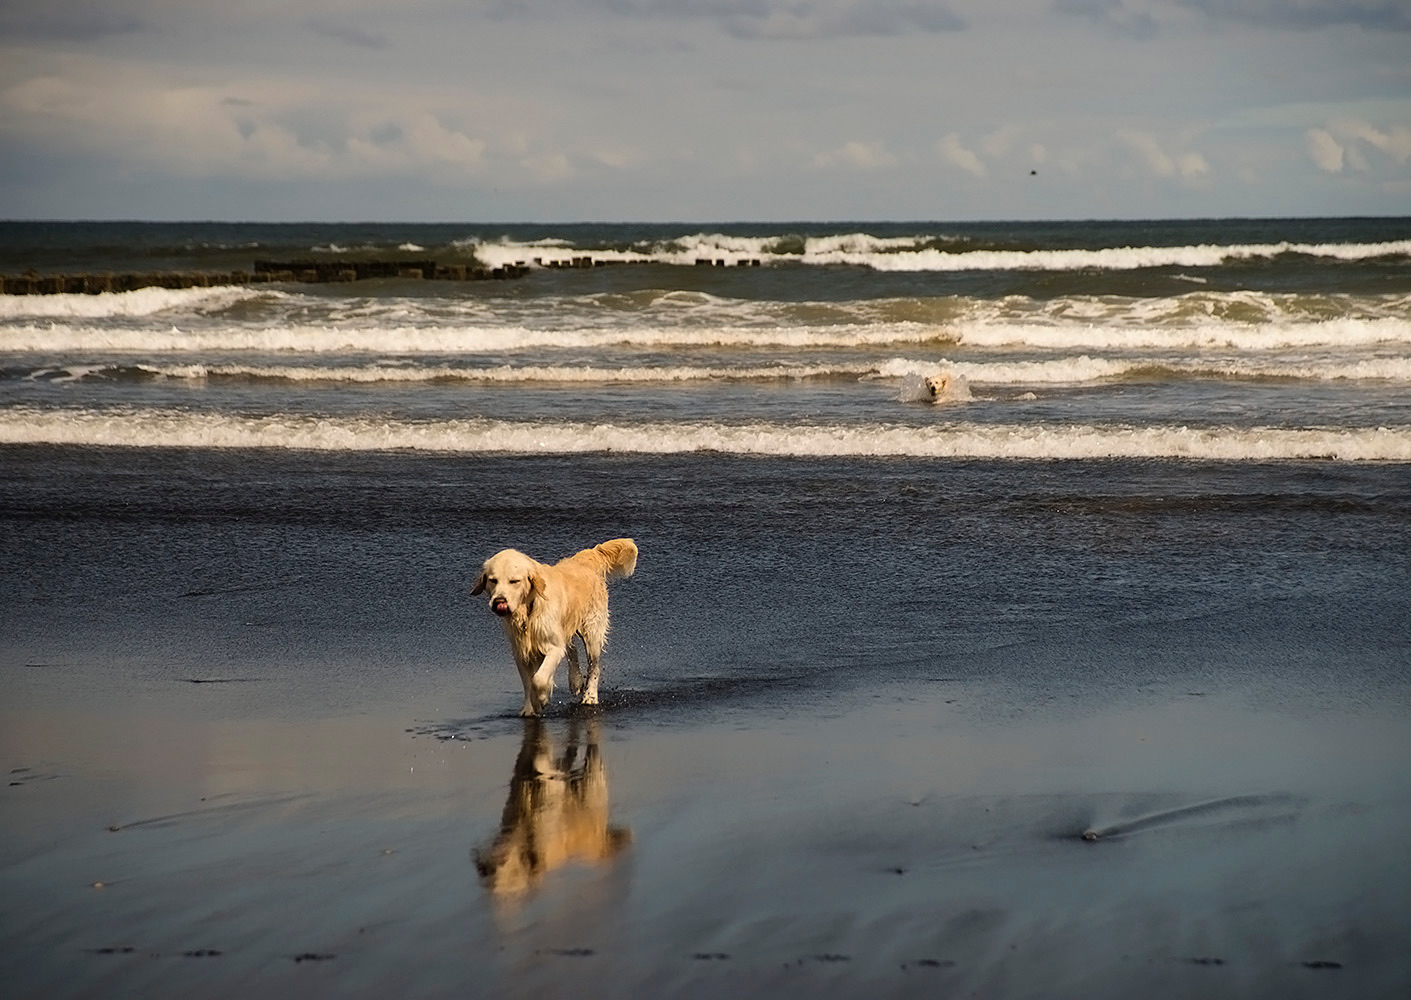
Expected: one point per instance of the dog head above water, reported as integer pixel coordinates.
(511, 578)
(939, 386)
(947, 387)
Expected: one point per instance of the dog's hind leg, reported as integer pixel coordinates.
(593, 642)
(575, 674)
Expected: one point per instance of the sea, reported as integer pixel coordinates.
(1141, 567)
(1236, 341)
(1141, 420)
(1188, 376)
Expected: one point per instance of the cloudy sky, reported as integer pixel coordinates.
(703, 110)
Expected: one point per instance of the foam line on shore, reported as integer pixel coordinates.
(400, 340)
(443, 340)
(492, 375)
(182, 429)
(1080, 370)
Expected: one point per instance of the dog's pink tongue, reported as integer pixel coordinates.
(501, 607)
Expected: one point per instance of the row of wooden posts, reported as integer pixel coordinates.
(264, 271)
(308, 271)
(572, 262)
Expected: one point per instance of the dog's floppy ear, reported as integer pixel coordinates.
(538, 586)
(479, 587)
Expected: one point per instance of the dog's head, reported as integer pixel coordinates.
(948, 387)
(938, 386)
(512, 579)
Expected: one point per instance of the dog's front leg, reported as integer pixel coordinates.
(526, 678)
(543, 679)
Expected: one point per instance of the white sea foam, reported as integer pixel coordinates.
(547, 254)
(340, 248)
(915, 387)
(498, 374)
(860, 243)
(688, 250)
(140, 302)
(1113, 258)
(647, 306)
(1060, 371)
(912, 253)
(470, 243)
(439, 340)
(71, 373)
(169, 428)
(1341, 333)
(1084, 368)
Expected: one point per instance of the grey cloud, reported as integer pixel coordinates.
(1112, 13)
(1374, 15)
(64, 20)
(347, 34)
(385, 134)
(806, 19)
(767, 19)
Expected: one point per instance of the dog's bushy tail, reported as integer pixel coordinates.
(619, 555)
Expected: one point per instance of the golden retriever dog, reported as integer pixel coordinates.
(556, 814)
(543, 607)
(947, 387)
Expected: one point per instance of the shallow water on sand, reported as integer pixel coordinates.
(843, 852)
(858, 715)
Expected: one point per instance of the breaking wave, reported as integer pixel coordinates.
(180, 429)
(915, 253)
(238, 319)
(444, 340)
(1077, 370)
(495, 374)
(140, 302)
(1074, 333)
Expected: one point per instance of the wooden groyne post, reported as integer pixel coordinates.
(264, 271)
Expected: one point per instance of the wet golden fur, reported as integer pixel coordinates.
(543, 607)
(947, 387)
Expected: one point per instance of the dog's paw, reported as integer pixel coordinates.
(528, 711)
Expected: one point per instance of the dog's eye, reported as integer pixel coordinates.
(512, 582)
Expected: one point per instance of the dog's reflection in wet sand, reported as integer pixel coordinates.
(557, 812)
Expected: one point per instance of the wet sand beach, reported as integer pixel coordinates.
(893, 844)
(1004, 739)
